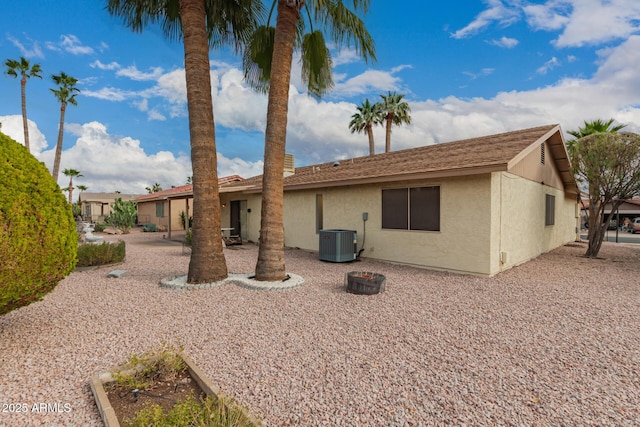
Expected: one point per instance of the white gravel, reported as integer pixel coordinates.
(554, 342)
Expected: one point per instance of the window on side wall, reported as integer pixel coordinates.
(160, 209)
(416, 208)
(319, 211)
(550, 210)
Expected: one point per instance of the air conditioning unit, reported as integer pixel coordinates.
(338, 245)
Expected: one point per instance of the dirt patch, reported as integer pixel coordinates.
(163, 390)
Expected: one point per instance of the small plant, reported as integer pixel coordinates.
(91, 254)
(188, 238)
(210, 412)
(139, 370)
(99, 227)
(150, 227)
(183, 221)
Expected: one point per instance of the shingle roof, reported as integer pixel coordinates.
(182, 190)
(470, 156)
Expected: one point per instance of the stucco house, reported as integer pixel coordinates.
(164, 208)
(477, 206)
(95, 206)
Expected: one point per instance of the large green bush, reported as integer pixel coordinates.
(38, 239)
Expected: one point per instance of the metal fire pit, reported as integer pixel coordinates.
(364, 282)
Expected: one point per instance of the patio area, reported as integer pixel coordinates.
(555, 341)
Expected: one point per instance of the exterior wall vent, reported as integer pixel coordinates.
(289, 168)
(338, 245)
(542, 153)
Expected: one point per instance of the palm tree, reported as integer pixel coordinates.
(267, 64)
(364, 119)
(199, 24)
(595, 126)
(71, 173)
(26, 71)
(156, 187)
(65, 94)
(395, 111)
(82, 188)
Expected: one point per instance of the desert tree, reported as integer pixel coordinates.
(609, 164)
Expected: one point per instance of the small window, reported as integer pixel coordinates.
(319, 216)
(550, 210)
(415, 208)
(160, 209)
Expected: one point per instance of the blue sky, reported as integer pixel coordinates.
(467, 68)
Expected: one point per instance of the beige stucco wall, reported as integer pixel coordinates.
(481, 217)
(462, 244)
(519, 220)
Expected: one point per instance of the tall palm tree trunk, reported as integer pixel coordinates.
(270, 265)
(387, 143)
(25, 124)
(207, 263)
(56, 160)
(372, 147)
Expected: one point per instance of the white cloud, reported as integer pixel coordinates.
(33, 52)
(12, 126)
(482, 73)
(156, 115)
(497, 11)
(505, 42)
(549, 65)
(110, 94)
(110, 66)
(580, 22)
(72, 44)
(133, 73)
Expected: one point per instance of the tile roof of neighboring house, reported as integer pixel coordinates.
(585, 203)
(466, 157)
(104, 197)
(183, 190)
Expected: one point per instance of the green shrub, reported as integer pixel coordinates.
(92, 254)
(124, 214)
(150, 227)
(38, 239)
(99, 227)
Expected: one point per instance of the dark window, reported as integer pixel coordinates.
(411, 208)
(425, 208)
(319, 218)
(550, 210)
(160, 209)
(395, 209)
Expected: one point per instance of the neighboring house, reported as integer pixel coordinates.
(95, 206)
(164, 208)
(628, 209)
(477, 206)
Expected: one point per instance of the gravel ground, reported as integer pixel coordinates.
(554, 342)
